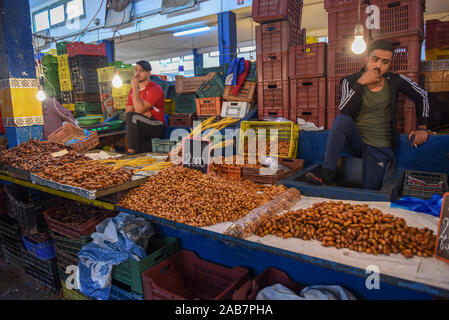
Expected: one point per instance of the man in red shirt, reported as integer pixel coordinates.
(144, 115)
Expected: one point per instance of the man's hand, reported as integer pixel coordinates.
(134, 83)
(369, 77)
(421, 136)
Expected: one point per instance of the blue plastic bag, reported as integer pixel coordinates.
(431, 206)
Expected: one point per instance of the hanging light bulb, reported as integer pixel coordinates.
(359, 45)
(117, 81)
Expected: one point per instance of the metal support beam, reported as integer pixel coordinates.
(197, 60)
(110, 49)
(227, 36)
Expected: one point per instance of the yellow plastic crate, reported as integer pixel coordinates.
(63, 61)
(120, 102)
(69, 106)
(286, 131)
(65, 84)
(122, 91)
(437, 54)
(64, 73)
(107, 73)
(71, 294)
(169, 107)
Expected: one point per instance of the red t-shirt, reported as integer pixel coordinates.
(154, 95)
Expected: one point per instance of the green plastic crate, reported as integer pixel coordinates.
(252, 74)
(130, 271)
(185, 103)
(212, 88)
(88, 108)
(68, 245)
(220, 70)
(162, 146)
(61, 47)
(49, 59)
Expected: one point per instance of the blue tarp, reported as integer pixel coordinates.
(432, 206)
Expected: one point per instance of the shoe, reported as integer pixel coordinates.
(322, 176)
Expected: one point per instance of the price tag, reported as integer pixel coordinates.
(442, 246)
(59, 153)
(196, 154)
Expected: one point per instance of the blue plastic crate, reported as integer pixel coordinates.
(18, 135)
(118, 293)
(45, 250)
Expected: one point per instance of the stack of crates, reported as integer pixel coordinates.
(114, 100)
(279, 30)
(50, 68)
(84, 60)
(65, 81)
(401, 23)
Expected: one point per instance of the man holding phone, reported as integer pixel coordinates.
(366, 127)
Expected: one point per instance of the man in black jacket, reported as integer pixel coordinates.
(366, 126)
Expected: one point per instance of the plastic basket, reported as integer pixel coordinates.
(130, 271)
(273, 99)
(118, 293)
(247, 93)
(276, 10)
(86, 97)
(437, 54)
(9, 227)
(13, 245)
(235, 109)
(49, 280)
(105, 88)
(220, 70)
(209, 106)
(67, 96)
(162, 146)
(185, 103)
(63, 61)
(65, 84)
(399, 16)
(308, 60)
(122, 91)
(252, 73)
(81, 48)
(169, 107)
(48, 266)
(71, 294)
(229, 170)
(27, 207)
(341, 61)
(70, 132)
(74, 232)
(283, 131)
(270, 177)
(437, 34)
(44, 250)
(186, 276)
(428, 185)
(68, 245)
(185, 85)
(12, 258)
(267, 278)
(65, 259)
(120, 102)
(212, 88)
(277, 37)
(182, 120)
(308, 100)
(61, 48)
(272, 66)
(342, 21)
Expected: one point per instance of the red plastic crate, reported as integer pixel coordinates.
(341, 61)
(272, 66)
(437, 34)
(273, 99)
(186, 276)
(267, 278)
(182, 119)
(76, 48)
(308, 100)
(277, 37)
(333, 4)
(407, 53)
(406, 117)
(308, 60)
(399, 16)
(277, 10)
(209, 106)
(341, 24)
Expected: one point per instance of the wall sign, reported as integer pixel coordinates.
(442, 246)
(196, 154)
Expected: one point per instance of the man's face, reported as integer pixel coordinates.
(379, 60)
(141, 74)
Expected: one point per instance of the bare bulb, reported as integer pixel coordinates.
(359, 45)
(117, 81)
(41, 95)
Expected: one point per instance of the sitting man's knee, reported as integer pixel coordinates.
(343, 120)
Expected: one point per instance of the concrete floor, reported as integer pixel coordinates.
(16, 285)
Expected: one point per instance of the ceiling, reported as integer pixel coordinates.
(160, 44)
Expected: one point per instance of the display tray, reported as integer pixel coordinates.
(18, 173)
(88, 194)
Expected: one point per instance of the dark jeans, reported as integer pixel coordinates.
(344, 134)
(140, 130)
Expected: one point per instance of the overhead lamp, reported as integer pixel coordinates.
(359, 45)
(116, 80)
(186, 32)
(40, 93)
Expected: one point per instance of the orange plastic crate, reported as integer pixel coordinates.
(209, 106)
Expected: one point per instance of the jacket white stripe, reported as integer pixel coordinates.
(346, 94)
(145, 120)
(423, 93)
